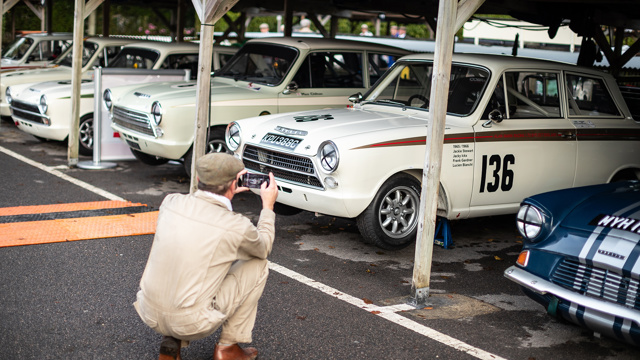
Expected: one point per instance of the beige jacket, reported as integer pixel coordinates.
(197, 239)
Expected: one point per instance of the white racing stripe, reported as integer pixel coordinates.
(57, 173)
(386, 312)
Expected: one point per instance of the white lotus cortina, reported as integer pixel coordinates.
(44, 109)
(97, 51)
(514, 127)
(267, 76)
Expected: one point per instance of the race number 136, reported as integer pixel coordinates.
(496, 173)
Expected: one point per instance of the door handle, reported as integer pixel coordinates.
(567, 135)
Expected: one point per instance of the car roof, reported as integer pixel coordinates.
(166, 46)
(49, 36)
(110, 40)
(498, 62)
(311, 43)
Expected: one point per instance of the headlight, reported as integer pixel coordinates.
(529, 220)
(8, 96)
(42, 106)
(232, 136)
(156, 112)
(328, 156)
(106, 97)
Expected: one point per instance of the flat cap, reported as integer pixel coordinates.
(218, 168)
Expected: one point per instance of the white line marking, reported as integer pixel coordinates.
(57, 173)
(386, 312)
(389, 313)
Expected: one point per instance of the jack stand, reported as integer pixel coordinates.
(443, 233)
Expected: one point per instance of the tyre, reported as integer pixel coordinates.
(85, 136)
(391, 220)
(149, 159)
(215, 143)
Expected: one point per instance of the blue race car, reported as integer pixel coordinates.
(580, 258)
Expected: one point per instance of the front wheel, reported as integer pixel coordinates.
(391, 220)
(215, 144)
(85, 136)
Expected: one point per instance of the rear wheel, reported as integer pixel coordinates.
(391, 220)
(215, 144)
(149, 159)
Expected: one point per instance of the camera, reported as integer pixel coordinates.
(253, 180)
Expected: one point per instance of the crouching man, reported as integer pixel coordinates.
(208, 265)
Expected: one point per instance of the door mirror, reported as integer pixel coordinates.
(355, 98)
(495, 116)
(290, 88)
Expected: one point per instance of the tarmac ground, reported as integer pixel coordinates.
(328, 296)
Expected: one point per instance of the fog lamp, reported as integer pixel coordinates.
(331, 182)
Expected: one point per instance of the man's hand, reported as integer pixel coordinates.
(240, 189)
(269, 194)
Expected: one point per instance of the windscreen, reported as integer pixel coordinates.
(408, 84)
(88, 49)
(18, 49)
(260, 63)
(135, 58)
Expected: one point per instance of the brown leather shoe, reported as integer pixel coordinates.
(234, 352)
(169, 348)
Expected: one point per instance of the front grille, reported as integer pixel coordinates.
(293, 168)
(135, 120)
(597, 282)
(26, 111)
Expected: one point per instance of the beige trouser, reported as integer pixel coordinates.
(238, 299)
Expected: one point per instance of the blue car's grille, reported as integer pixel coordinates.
(293, 168)
(597, 282)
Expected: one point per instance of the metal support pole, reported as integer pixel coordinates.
(97, 127)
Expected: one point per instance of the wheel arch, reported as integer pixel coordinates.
(443, 199)
(628, 173)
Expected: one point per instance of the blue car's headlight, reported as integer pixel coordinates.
(530, 222)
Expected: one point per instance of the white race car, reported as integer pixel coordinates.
(97, 51)
(35, 50)
(267, 76)
(514, 127)
(44, 109)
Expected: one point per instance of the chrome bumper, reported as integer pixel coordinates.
(541, 286)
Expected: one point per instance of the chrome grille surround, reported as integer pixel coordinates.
(137, 121)
(28, 112)
(292, 168)
(597, 282)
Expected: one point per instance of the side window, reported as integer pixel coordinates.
(47, 50)
(330, 70)
(532, 95)
(182, 62)
(589, 96)
(378, 65)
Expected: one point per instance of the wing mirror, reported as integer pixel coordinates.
(495, 116)
(355, 98)
(290, 88)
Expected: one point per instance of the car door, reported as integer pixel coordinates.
(529, 147)
(607, 140)
(325, 79)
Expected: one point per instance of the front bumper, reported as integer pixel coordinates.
(172, 150)
(613, 320)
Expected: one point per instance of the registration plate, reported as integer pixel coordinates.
(280, 141)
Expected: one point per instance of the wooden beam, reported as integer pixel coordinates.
(210, 13)
(37, 10)
(7, 5)
(76, 81)
(106, 15)
(466, 9)
(314, 19)
(288, 18)
(91, 6)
